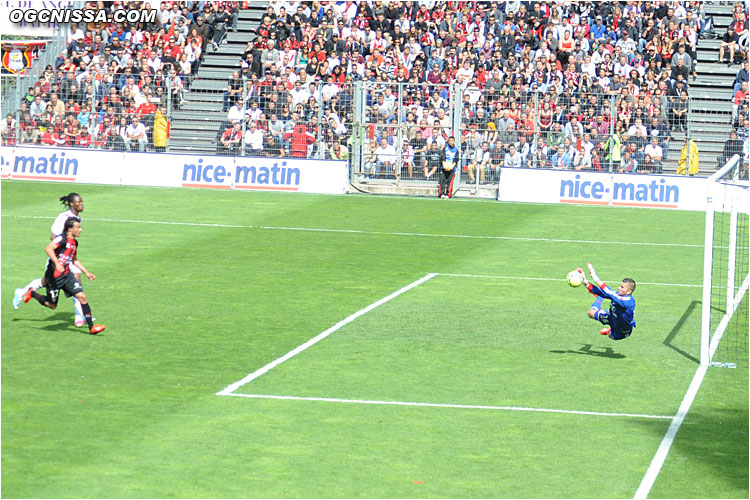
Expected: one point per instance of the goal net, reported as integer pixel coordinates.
(726, 268)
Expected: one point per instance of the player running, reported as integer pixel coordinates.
(62, 252)
(621, 314)
(74, 202)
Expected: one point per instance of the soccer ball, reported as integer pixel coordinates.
(574, 278)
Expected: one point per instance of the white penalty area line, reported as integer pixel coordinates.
(445, 405)
(257, 373)
(378, 233)
(230, 389)
(500, 277)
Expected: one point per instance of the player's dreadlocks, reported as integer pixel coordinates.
(67, 200)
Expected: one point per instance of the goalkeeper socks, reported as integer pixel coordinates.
(79, 309)
(597, 303)
(87, 314)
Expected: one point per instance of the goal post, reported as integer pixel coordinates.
(726, 267)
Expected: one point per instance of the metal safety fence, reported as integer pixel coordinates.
(402, 127)
(388, 131)
(719, 129)
(248, 116)
(126, 113)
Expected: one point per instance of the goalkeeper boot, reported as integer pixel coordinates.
(96, 329)
(605, 331)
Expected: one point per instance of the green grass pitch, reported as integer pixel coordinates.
(200, 288)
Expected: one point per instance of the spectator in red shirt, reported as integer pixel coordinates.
(299, 138)
(740, 96)
(231, 139)
(84, 140)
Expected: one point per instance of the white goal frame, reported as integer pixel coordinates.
(731, 195)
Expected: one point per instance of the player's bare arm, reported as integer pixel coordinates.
(85, 271)
(50, 251)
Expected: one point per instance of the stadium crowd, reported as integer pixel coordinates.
(562, 84)
(114, 85)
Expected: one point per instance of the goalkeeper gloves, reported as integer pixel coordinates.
(583, 276)
(593, 274)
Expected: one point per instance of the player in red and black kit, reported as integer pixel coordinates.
(62, 252)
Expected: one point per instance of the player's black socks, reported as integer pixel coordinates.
(42, 299)
(87, 314)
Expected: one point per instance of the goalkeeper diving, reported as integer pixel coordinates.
(620, 319)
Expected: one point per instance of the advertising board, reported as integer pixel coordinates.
(172, 170)
(598, 188)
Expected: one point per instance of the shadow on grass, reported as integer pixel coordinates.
(592, 350)
(58, 322)
(678, 326)
(714, 441)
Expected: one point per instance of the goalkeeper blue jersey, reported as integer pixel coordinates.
(621, 308)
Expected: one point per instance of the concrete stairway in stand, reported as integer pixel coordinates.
(196, 122)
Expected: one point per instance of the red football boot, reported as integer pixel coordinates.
(605, 331)
(96, 329)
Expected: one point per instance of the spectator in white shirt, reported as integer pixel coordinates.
(254, 112)
(587, 145)
(482, 158)
(330, 89)
(512, 158)
(464, 73)
(37, 107)
(588, 67)
(622, 68)
(627, 44)
(386, 156)
(581, 160)
(598, 56)
(637, 128)
(136, 134)
(562, 28)
(654, 150)
(299, 94)
(523, 148)
(254, 138)
(573, 129)
(235, 112)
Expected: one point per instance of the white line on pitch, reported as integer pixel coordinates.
(492, 276)
(481, 237)
(257, 373)
(379, 233)
(444, 405)
(666, 443)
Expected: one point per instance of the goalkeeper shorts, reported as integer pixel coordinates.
(616, 331)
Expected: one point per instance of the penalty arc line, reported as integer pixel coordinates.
(377, 233)
(446, 405)
(257, 373)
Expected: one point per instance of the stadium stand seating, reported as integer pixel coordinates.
(199, 116)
